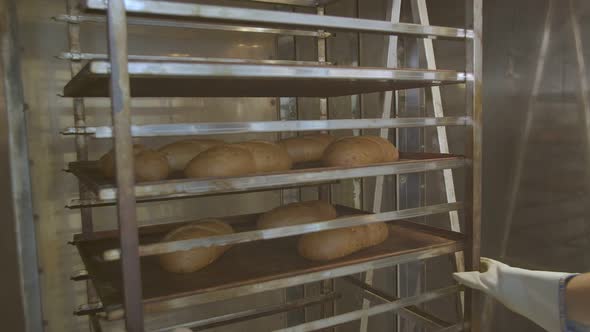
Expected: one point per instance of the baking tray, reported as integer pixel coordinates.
(104, 189)
(214, 79)
(248, 268)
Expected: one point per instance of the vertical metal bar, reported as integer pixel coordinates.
(393, 15)
(473, 106)
(584, 86)
(81, 141)
(15, 175)
(325, 191)
(411, 276)
(422, 12)
(287, 110)
(79, 113)
(356, 112)
(126, 211)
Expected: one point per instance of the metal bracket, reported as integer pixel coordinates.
(89, 309)
(80, 275)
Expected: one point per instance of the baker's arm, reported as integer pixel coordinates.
(577, 299)
(537, 295)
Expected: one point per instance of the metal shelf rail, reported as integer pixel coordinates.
(120, 77)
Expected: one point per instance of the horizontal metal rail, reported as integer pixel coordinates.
(224, 294)
(77, 19)
(246, 315)
(299, 3)
(216, 128)
(278, 18)
(196, 187)
(184, 58)
(241, 70)
(273, 233)
(411, 312)
(378, 309)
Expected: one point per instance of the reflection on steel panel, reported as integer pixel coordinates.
(76, 19)
(278, 18)
(252, 267)
(217, 128)
(208, 79)
(89, 173)
(77, 56)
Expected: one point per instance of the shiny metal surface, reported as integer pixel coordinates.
(274, 233)
(77, 19)
(93, 56)
(412, 312)
(306, 3)
(277, 18)
(473, 178)
(375, 310)
(124, 164)
(188, 129)
(20, 283)
(203, 79)
(410, 163)
(254, 313)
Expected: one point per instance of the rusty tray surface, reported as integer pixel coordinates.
(214, 79)
(243, 264)
(178, 187)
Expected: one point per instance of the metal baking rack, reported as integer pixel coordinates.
(112, 258)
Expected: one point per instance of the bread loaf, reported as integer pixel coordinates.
(388, 151)
(223, 160)
(360, 150)
(195, 259)
(149, 165)
(296, 214)
(268, 156)
(336, 243)
(307, 148)
(181, 152)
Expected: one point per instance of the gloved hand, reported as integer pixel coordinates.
(533, 294)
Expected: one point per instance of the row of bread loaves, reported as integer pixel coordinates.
(325, 245)
(213, 158)
(320, 246)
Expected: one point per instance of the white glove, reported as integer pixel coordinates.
(533, 294)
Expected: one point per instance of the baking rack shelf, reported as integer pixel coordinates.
(251, 267)
(219, 128)
(88, 172)
(215, 79)
(277, 18)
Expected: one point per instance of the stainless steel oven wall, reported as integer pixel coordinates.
(535, 185)
(538, 171)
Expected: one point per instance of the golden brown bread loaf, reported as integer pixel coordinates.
(388, 151)
(195, 259)
(359, 150)
(268, 156)
(181, 152)
(307, 148)
(149, 165)
(223, 160)
(336, 243)
(296, 214)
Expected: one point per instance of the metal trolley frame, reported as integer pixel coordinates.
(121, 77)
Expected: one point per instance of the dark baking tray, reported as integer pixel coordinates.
(243, 264)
